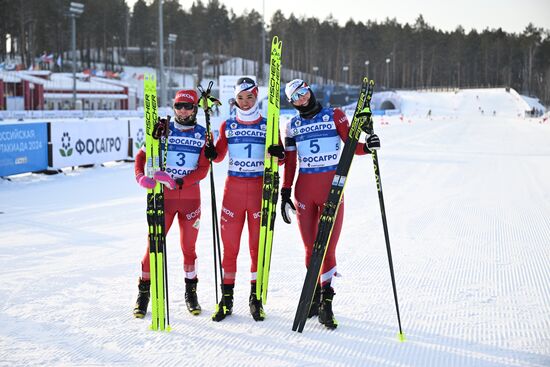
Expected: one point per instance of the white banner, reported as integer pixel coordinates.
(227, 91)
(76, 143)
(137, 133)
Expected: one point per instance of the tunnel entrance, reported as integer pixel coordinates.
(387, 105)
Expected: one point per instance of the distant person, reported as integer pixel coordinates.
(243, 137)
(314, 138)
(186, 166)
(232, 110)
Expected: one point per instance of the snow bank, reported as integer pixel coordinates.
(460, 102)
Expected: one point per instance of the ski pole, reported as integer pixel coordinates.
(369, 130)
(205, 98)
(163, 237)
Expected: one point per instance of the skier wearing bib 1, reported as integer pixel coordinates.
(186, 165)
(243, 136)
(313, 138)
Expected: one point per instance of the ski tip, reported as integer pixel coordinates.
(168, 328)
(276, 43)
(401, 337)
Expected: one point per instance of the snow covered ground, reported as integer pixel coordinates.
(468, 207)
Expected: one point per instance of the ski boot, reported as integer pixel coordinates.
(314, 308)
(191, 296)
(256, 308)
(140, 309)
(225, 307)
(326, 316)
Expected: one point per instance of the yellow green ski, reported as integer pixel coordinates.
(155, 212)
(271, 172)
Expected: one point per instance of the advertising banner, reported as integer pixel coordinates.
(227, 92)
(75, 143)
(23, 148)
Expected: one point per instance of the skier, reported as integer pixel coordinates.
(314, 137)
(186, 165)
(243, 136)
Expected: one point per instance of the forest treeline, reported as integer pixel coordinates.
(396, 55)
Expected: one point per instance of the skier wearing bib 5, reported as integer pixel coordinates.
(314, 138)
(243, 137)
(186, 165)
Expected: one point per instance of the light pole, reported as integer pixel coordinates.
(162, 99)
(345, 69)
(315, 70)
(171, 42)
(115, 42)
(75, 10)
(388, 60)
(367, 67)
(263, 44)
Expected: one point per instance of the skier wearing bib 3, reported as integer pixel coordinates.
(313, 138)
(243, 136)
(186, 165)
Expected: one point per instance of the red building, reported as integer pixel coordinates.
(44, 90)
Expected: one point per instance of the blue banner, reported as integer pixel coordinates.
(23, 148)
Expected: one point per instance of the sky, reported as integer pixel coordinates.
(512, 15)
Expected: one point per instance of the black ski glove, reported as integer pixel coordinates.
(161, 128)
(276, 150)
(210, 151)
(286, 204)
(372, 142)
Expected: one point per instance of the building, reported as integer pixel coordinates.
(44, 90)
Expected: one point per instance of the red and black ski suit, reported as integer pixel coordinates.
(315, 143)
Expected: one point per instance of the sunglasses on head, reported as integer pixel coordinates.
(299, 93)
(184, 105)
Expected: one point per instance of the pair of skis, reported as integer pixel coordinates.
(270, 188)
(160, 316)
